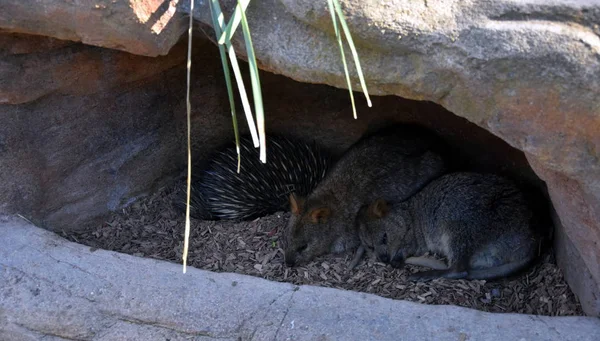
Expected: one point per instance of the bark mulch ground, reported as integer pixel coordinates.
(152, 228)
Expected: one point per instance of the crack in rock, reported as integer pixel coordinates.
(156, 324)
(252, 314)
(45, 334)
(287, 310)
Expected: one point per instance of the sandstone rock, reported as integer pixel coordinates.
(528, 71)
(87, 129)
(147, 27)
(34, 67)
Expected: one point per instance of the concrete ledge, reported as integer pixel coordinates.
(52, 289)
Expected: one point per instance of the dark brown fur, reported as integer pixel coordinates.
(405, 155)
(481, 223)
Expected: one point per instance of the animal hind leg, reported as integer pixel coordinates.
(458, 270)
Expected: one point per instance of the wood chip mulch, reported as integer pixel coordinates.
(152, 228)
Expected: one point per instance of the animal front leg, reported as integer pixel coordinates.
(359, 253)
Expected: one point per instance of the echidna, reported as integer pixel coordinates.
(219, 192)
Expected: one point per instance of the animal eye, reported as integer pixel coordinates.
(384, 239)
(302, 248)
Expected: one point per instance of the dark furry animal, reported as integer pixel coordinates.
(482, 224)
(404, 155)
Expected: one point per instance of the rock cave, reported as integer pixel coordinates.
(92, 100)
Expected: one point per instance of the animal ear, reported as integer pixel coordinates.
(320, 215)
(296, 204)
(379, 208)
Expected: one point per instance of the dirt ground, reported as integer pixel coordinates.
(152, 228)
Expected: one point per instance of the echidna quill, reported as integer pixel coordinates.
(219, 192)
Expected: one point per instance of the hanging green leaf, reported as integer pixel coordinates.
(335, 7)
(220, 25)
(340, 13)
(255, 79)
(234, 22)
(343, 55)
(214, 15)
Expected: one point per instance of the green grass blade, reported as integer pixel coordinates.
(340, 14)
(243, 95)
(255, 79)
(234, 22)
(227, 74)
(220, 25)
(343, 55)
